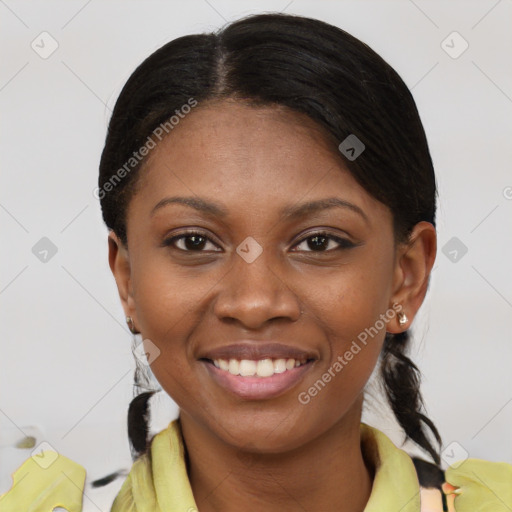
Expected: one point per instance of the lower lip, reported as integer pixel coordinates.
(258, 388)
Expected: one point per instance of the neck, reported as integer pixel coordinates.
(329, 473)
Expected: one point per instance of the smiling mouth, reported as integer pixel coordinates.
(262, 368)
(260, 379)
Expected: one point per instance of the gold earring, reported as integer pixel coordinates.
(402, 318)
(131, 325)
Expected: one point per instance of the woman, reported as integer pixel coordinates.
(271, 203)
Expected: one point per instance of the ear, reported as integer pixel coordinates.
(414, 262)
(120, 266)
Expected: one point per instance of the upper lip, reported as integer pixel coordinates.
(256, 351)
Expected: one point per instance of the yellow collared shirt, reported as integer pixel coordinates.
(158, 481)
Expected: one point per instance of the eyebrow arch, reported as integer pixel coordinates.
(207, 207)
(290, 212)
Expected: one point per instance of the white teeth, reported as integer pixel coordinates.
(265, 368)
(279, 365)
(247, 368)
(233, 367)
(262, 368)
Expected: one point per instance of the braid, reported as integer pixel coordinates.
(401, 379)
(139, 411)
(138, 418)
(138, 423)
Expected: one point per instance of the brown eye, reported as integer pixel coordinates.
(323, 242)
(191, 241)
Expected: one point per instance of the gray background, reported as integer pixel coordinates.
(66, 363)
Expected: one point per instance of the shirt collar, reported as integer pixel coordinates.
(395, 484)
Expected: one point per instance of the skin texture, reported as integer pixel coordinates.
(273, 454)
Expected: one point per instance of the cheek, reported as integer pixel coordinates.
(169, 303)
(165, 317)
(351, 299)
(165, 296)
(350, 307)
(354, 346)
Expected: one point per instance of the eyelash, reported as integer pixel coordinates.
(343, 242)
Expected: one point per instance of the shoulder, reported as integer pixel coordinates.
(474, 483)
(48, 478)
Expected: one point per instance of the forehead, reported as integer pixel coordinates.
(251, 157)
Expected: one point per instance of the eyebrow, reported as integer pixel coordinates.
(290, 212)
(208, 207)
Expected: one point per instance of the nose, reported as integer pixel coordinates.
(254, 293)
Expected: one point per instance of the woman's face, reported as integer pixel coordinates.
(253, 274)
